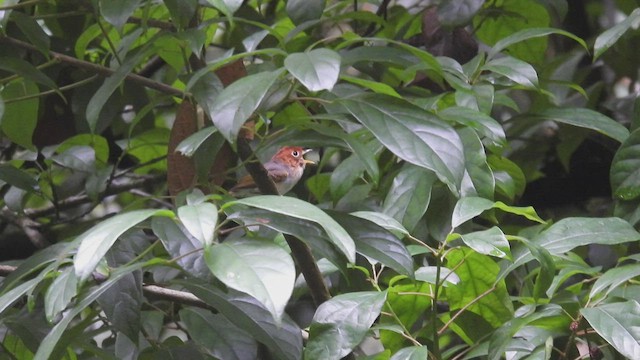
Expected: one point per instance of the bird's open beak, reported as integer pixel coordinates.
(305, 160)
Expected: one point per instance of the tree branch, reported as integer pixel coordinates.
(299, 250)
(98, 69)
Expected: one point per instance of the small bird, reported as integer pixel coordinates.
(285, 169)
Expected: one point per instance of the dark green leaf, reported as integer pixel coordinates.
(484, 124)
(375, 242)
(383, 220)
(478, 178)
(303, 210)
(409, 195)
(116, 12)
(586, 118)
(236, 103)
(608, 38)
(341, 323)
(526, 34)
(181, 11)
(316, 69)
(261, 269)
(18, 178)
(33, 31)
(625, 169)
(304, 10)
(617, 323)
(412, 134)
(453, 13)
(221, 338)
(181, 245)
(26, 70)
(284, 340)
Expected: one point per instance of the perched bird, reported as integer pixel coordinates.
(285, 169)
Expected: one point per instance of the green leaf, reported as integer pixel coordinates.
(81, 158)
(96, 142)
(182, 246)
(341, 323)
(625, 169)
(484, 124)
(508, 17)
(33, 31)
(412, 134)
(200, 220)
(181, 11)
(383, 220)
(18, 178)
(469, 207)
(316, 69)
(409, 301)
(60, 292)
(116, 12)
(408, 198)
(110, 84)
(377, 87)
(613, 278)
(608, 38)
(429, 274)
(308, 231)
(303, 210)
(617, 323)
(585, 118)
(526, 34)
(411, 353)
(375, 242)
(20, 117)
(488, 242)
(478, 274)
(49, 343)
(305, 10)
(283, 339)
(569, 233)
(95, 242)
(261, 269)
(219, 336)
(455, 13)
(9, 297)
(478, 179)
(236, 103)
(518, 71)
(27, 71)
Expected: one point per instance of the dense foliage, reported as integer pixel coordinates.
(435, 124)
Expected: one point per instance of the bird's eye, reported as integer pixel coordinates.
(295, 153)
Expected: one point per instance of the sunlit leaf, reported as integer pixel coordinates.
(316, 69)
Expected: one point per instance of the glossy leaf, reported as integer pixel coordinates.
(200, 220)
(471, 206)
(341, 323)
(411, 353)
(181, 245)
(617, 323)
(408, 198)
(608, 38)
(261, 269)
(613, 278)
(316, 69)
(484, 124)
(60, 292)
(412, 134)
(284, 339)
(188, 146)
(488, 242)
(236, 103)
(33, 31)
(181, 11)
(478, 177)
(516, 70)
(376, 243)
(570, 233)
(586, 118)
(433, 275)
(9, 297)
(303, 210)
(95, 242)
(625, 169)
(383, 220)
(218, 335)
(526, 34)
